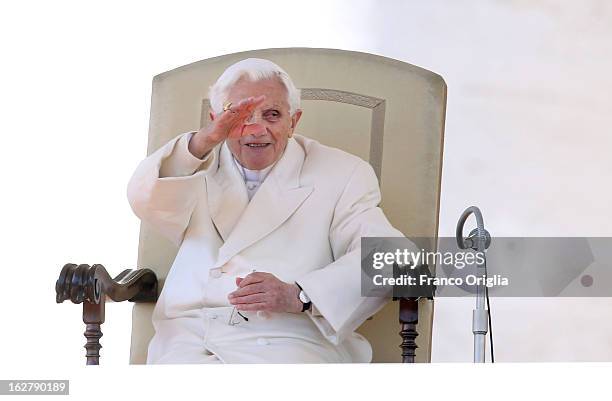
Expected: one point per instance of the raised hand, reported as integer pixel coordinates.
(227, 124)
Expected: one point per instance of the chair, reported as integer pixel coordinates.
(386, 111)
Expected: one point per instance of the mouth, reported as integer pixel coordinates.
(257, 145)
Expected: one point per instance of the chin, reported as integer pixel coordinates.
(255, 163)
(258, 162)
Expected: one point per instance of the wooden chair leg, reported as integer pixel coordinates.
(93, 317)
(409, 318)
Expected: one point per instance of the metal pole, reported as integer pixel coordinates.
(478, 240)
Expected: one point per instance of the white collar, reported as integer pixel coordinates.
(253, 175)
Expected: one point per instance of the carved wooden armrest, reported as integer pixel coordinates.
(91, 285)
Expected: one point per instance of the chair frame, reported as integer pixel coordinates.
(90, 285)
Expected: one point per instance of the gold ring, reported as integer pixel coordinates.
(227, 106)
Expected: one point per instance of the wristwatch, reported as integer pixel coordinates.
(306, 303)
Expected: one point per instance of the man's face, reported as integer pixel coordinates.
(266, 140)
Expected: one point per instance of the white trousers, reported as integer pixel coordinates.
(189, 355)
(205, 336)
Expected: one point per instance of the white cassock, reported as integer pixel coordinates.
(303, 224)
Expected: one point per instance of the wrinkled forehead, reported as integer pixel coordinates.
(273, 88)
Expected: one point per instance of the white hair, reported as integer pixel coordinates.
(255, 69)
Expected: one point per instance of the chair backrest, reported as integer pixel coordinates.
(386, 111)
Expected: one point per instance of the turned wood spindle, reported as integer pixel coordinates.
(409, 318)
(93, 317)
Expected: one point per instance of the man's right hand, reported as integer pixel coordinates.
(227, 124)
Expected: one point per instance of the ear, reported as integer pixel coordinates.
(294, 120)
(211, 115)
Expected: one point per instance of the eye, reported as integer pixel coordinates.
(272, 114)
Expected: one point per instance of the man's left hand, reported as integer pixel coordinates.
(260, 291)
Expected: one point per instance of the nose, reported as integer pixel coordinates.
(255, 130)
(254, 125)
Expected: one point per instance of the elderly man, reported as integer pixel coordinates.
(268, 225)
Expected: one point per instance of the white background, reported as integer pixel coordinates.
(527, 139)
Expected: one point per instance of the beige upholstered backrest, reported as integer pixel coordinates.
(388, 112)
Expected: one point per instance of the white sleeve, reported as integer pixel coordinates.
(336, 288)
(164, 189)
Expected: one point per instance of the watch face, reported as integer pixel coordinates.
(303, 297)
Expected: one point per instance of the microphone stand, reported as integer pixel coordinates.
(478, 240)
